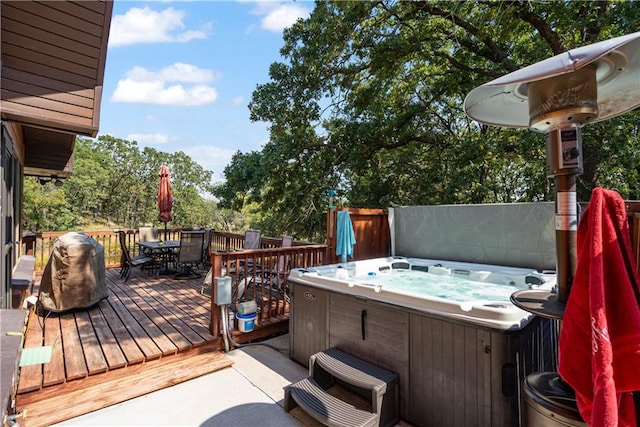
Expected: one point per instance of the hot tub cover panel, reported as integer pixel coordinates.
(75, 274)
(509, 234)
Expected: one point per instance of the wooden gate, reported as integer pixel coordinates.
(371, 229)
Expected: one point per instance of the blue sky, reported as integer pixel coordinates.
(179, 75)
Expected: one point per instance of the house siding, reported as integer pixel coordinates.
(53, 60)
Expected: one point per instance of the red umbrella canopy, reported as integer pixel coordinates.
(165, 196)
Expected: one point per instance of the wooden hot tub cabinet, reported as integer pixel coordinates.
(451, 372)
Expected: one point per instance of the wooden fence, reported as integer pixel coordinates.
(371, 230)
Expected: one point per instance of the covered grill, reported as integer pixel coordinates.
(75, 274)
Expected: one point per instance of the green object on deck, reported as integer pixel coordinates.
(35, 355)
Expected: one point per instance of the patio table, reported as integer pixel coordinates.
(165, 250)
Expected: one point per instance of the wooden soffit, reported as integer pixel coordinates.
(48, 153)
(53, 61)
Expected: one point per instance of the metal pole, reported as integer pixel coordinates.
(566, 222)
(564, 163)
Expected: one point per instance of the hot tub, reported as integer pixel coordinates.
(474, 293)
(460, 346)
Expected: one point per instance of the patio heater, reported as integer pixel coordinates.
(557, 97)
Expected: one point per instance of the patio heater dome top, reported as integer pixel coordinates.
(583, 85)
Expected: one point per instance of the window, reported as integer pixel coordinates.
(9, 203)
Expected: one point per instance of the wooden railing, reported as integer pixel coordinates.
(40, 245)
(223, 241)
(261, 275)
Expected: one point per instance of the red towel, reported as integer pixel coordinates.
(599, 349)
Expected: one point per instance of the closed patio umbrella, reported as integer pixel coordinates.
(165, 198)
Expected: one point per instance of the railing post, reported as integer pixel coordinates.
(29, 242)
(216, 271)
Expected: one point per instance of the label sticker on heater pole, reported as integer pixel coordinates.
(566, 211)
(566, 223)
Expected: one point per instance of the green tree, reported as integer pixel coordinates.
(368, 101)
(115, 184)
(46, 207)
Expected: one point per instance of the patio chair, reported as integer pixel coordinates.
(245, 270)
(206, 244)
(148, 234)
(273, 279)
(252, 239)
(190, 255)
(276, 274)
(287, 242)
(142, 261)
(207, 282)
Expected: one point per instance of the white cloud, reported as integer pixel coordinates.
(177, 72)
(153, 87)
(144, 25)
(283, 17)
(238, 100)
(148, 138)
(278, 15)
(249, 30)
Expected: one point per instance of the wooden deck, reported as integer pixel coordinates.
(149, 334)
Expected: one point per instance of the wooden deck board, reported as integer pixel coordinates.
(156, 320)
(119, 389)
(143, 329)
(54, 370)
(201, 312)
(177, 308)
(91, 346)
(150, 333)
(31, 376)
(137, 323)
(72, 347)
(164, 306)
(125, 341)
(111, 350)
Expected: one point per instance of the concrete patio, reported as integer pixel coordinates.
(249, 393)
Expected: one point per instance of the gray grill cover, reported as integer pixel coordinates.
(75, 274)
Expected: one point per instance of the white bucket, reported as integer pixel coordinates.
(246, 322)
